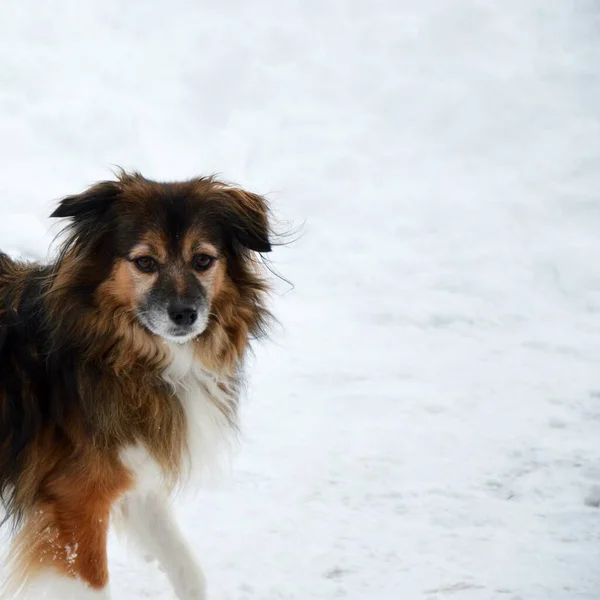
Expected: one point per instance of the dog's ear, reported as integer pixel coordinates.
(247, 219)
(94, 202)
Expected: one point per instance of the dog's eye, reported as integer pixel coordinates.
(146, 264)
(203, 262)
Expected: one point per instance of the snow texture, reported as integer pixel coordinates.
(425, 422)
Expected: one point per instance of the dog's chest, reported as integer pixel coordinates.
(209, 405)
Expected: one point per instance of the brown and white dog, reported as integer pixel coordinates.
(120, 370)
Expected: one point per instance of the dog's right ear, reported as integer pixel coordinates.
(94, 202)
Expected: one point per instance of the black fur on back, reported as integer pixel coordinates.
(28, 380)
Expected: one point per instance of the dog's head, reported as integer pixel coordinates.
(168, 254)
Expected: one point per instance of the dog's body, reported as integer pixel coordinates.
(120, 369)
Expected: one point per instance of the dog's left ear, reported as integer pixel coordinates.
(248, 219)
(94, 202)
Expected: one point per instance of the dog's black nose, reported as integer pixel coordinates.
(182, 314)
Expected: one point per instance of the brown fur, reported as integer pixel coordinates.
(110, 395)
(67, 527)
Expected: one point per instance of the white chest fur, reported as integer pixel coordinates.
(209, 405)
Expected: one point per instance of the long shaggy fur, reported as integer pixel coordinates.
(81, 378)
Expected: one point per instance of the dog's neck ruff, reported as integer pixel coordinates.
(209, 403)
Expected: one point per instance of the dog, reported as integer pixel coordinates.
(121, 365)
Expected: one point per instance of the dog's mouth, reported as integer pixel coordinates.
(179, 336)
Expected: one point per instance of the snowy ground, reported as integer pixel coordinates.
(425, 424)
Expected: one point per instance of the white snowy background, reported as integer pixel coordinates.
(425, 422)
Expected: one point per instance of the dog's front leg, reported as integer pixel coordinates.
(149, 523)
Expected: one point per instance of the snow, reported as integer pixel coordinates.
(424, 424)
